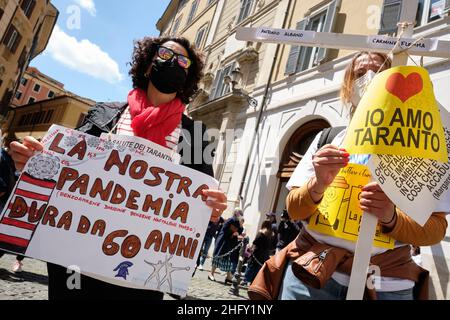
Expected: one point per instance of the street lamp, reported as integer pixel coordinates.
(234, 79)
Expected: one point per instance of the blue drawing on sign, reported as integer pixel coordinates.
(122, 269)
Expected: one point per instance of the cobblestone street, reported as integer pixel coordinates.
(31, 284)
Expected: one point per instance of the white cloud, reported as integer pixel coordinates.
(83, 56)
(88, 5)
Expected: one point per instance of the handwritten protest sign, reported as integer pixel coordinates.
(141, 146)
(417, 186)
(137, 220)
(398, 115)
(339, 214)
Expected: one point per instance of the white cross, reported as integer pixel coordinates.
(422, 47)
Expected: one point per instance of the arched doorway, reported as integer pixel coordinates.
(293, 153)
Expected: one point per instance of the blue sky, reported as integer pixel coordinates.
(93, 42)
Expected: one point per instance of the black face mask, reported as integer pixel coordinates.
(167, 76)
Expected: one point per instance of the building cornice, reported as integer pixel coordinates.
(85, 101)
(234, 100)
(173, 6)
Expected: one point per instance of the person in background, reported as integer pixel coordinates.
(226, 253)
(287, 231)
(210, 234)
(219, 228)
(272, 217)
(261, 248)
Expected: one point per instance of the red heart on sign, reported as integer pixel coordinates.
(404, 87)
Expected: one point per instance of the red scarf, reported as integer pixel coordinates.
(154, 123)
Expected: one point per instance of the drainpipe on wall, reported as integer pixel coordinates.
(262, 108)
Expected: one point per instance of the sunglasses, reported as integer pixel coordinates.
(168, 54)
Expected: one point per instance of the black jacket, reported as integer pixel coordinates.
(287, 232)
(7, 177)
(102, 118)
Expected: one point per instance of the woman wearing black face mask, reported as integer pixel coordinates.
(165, 74)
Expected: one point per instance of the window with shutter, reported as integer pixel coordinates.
(308, 55)
(220, 88)
(303, 58)
(28, 7)
(193, 11)
(16, 43)
(291, 66)
(199, 37)
(245, 10)
(330, 22)
(216, 82)
(12, 39)
(390, 16)
(431, 10)
(436, 10)
(176, 26)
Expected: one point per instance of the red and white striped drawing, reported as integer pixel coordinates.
(26, 207)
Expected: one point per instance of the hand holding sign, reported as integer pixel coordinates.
(217, 200)
(21, 153)
(327, 162)
(375, 201)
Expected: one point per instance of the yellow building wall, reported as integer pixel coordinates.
(66, 112)
(72, 113)
(9, 72)
(45, 83)
(8, 6)
(202, 15)
(199, 21)
(229, 16)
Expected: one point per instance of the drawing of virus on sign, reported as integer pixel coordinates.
(70, 141)
(108, 145)
(44, 167)
(93, 142)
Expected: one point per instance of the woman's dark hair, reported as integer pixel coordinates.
(143, 54)
(267, 224)
(266, 227)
